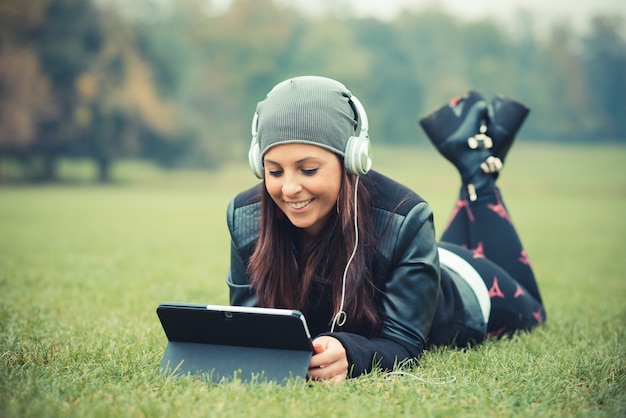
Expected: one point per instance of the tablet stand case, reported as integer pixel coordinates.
(202, 341)
(223, 363)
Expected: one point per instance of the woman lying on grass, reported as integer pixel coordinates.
(356, 252)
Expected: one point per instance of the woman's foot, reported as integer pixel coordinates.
(459, 131)
(505, 118)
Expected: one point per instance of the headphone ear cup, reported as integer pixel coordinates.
(357, 159)
(254, 153)
(254, 158)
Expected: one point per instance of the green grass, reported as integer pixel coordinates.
(82, 269)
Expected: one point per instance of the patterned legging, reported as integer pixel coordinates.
(483, 234)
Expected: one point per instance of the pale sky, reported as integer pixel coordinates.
(545, 11)
(576, 11)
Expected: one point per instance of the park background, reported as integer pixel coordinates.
(176, 82)
(124, 129)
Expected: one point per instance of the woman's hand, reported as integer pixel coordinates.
(330, 362)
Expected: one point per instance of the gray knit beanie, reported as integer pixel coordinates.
(310, 110)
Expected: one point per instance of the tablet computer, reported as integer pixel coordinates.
(229, 342)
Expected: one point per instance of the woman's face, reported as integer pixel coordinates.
(304, 181)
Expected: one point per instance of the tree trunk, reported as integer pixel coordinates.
(49, 171)
(104, 170)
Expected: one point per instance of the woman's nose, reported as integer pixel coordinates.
(291, 185)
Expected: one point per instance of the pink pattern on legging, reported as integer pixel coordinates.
(461, 203)
(495, 291)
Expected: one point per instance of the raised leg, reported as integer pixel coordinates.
(472, 134)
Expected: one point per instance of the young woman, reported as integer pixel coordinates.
(356, 252)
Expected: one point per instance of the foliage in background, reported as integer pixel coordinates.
(177, 82)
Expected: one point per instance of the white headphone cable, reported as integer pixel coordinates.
(341, 316)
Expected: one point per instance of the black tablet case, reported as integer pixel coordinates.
(226, 343)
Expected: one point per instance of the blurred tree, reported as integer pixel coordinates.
(239, 57)
(558, 93)
(487, 56)
(392, 91)
(431, 42)
(67, 39)
(119, 105)
(86, 68)
(604, 59)
(25, 99)
(523, 77)
(161, 49)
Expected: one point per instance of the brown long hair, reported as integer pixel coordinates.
(283, 275)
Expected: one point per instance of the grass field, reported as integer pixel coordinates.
(83, 268)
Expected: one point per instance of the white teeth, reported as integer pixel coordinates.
(299, 205)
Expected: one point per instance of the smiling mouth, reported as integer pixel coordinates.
(299, 205)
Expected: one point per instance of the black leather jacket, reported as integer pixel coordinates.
(406, 271)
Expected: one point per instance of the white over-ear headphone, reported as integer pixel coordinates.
(254, 154)
(357, 159)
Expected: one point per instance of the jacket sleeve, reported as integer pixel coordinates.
(241, 293)
(410, 297)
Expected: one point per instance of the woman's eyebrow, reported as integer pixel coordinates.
(301, 160)
(307, 159)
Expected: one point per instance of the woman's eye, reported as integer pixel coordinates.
(310, 171)
(274, 173)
